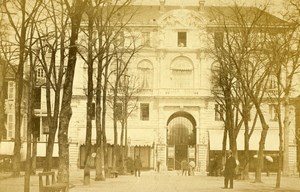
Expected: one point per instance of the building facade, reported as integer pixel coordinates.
(177, 116)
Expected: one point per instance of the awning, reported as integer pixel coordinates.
(41, 150)
(271, 143)
(216, 140)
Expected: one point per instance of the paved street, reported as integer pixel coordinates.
(151, 181)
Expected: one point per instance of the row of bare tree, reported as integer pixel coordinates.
(47, 34)
(256, 61)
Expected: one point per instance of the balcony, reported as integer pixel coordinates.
(175, 92)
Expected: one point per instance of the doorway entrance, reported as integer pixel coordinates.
(181, 139)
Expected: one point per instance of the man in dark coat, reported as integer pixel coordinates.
(229, 171)
(137, 166)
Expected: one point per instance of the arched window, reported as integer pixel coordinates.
(145, 74)
(182, 73)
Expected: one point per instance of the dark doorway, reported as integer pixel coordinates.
(181, 153)
(181, 134)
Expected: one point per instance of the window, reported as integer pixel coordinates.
(272, 86)
(181, 40)
(145, 74)
(144, 107)
(36, 126)
(37, 98)
(146, 39)
(218, 39)
(10, 126)
(273, 112)
(119, 111)
(182, 78)
(11, 90)
(40, 73)
(219, 113)
(182, 73)
(45, 125)
(119, 39)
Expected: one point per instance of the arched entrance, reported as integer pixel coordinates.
(181, 139)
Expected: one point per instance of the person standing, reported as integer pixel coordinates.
(192, 167)
(184, 167)
(137, 166)
(158, 166)
(229, 171)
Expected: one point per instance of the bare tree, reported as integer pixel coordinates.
(3, 67)
(52, 35)
(122, 59)
(283, 48)
(245, 36)
(27, 12)
(294, 17)
(30, 107)
(111, 18)
(128, 97)
(75, 12)
(3, 70)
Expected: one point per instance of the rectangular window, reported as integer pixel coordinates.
(10, 126)
(273, 112)
(11, 90)
(40, 73)
(36, 127)
(181, 39)
(119, 111)
(146, 39)
(119, 39)
(144, 107)
(219, 113)
(218, 38)
(45, 125)
(37, 98)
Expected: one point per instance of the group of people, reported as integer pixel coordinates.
(187, 168)
(134, 166)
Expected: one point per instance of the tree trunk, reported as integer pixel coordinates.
(286, 136)
(246, 151)
(281, 144)
(90, 94)
(34, 153)
(29, 126)
(66, 111)
(100, 173)
(115, 119)
(52, 120)
(2, 98)
(104, 99)
(122, 144)
(50, 146)
(263, 136)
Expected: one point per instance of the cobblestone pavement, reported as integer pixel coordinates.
(151, 181)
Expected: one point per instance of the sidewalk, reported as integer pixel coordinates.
(151, 181)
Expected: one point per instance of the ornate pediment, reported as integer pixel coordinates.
(182, 18)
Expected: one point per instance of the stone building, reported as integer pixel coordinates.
(177, 115)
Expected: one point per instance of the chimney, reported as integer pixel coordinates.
(201, 5)
(162, 5)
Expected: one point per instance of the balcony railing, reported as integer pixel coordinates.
(175, 92)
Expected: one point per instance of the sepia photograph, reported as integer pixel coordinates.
(149, 95)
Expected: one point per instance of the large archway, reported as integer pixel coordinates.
(181, 139)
